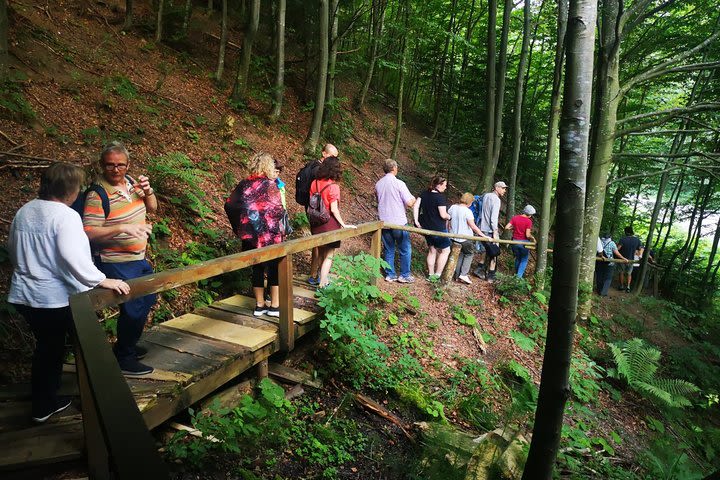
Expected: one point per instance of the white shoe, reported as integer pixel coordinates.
(465, 279)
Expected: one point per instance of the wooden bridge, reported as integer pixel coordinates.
(193, 355)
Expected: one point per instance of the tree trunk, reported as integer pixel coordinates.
(378, 17)
(472, 21)
(690, 257)
(441, 77)
(607, 91)
(239, 93)
(223, 42)
(313, 135)
(673, 210)
(635, 204)
(488, 169)
(210, 5)
(186, 17)
(517, 114)
(501, 74)
(401, 84)
(159, 26)
(128, 14)
(330, 93)
(279, 90)
(546, 209)
(711, 259)
(562, 310)
(4, 51)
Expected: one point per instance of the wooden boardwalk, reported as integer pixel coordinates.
(193, 355)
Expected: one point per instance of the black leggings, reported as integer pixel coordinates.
(258, 271)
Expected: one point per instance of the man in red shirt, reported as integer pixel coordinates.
(521, 226)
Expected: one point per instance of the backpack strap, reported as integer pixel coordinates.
(104, 199)
(323, 189)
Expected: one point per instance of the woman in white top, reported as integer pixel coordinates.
(51, 257)
(463, 223)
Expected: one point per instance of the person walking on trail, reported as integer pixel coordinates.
(521, 226)
(631, 248)
(463, 223)
(393, 200)
(303, 181)
(51, 261)
(121, 234)
(329, 191)
(607, 250)
(430, 213)
(490, 228)
(255, 210)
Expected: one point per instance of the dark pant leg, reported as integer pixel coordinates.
(258, 275)
(272, 272)
(50, 327)
(133, 314)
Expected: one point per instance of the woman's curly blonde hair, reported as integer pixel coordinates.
(263, 164)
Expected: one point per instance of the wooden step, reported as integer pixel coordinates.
(245, 305)
(251, 338)
(58, 440)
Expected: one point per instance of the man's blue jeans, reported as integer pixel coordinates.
(401, 238)
(134, 313)
(522, 255)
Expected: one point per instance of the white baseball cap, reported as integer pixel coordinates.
(501, 184)
(529, 210)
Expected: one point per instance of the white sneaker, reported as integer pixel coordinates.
(465, 279)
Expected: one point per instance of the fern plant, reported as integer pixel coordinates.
(638, 363)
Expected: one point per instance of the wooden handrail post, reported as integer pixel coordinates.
(98, 460)
(287, 304)
(376, 246)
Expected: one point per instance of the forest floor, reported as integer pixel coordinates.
(88, 83)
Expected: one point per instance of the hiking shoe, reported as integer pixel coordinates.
(133, 368)
(260, 310)
(60, 404)
(465, 279)
(140, 352)
(627, 289)
(273, 312)
(314, 281)
(479, 271)
(391, 278)
(491, 277)
(406, 279)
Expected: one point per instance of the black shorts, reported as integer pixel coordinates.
(441, 243)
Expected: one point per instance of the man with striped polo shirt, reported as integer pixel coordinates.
(121, 235)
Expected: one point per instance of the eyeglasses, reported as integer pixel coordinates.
(112, 166)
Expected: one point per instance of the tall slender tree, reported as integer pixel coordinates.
(377, 17)
(401, 81)
(518, 111)
(223, 41)
(313, 136)
(4, 52)
(239, 93)
(129, 4)
(159, 24)
(488, 170)
(332, 60)
(562, 310)
(551, 150)
(279, 89)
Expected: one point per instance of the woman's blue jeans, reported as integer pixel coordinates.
(522, 255)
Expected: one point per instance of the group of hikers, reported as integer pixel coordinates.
(628, 250)
(68, 241)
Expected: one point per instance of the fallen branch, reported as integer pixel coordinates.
(383, 412)
(234, 45)
(6, 137)
(192, 431)
(479, 340)
(22, 155)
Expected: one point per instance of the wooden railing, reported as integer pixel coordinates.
(117, 440)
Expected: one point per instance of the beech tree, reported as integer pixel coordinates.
(377, 14)
(159, 23)
(4, 53)
(223, 41)
(313, 136)
(128, 14)
(551, 149)
(239, 93)
(279, 88)
(571, 184)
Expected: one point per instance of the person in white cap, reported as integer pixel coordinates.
(521, 226)
(489, 227)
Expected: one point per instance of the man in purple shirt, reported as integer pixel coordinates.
(393, 200)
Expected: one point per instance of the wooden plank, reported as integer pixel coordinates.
(168, 376)
(219, 330)
(293, 375)
(15, 415)
(54, 441)
(192, 344)
(375, 249)
(21, 391)
(229, 397)
(185, 365)
(169, 406)
(247, 305)
(142, 386)
(302, 291)
(286, 322)
(236, 318)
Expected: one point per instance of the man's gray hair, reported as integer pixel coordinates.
(114, 147)
(389, 165)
